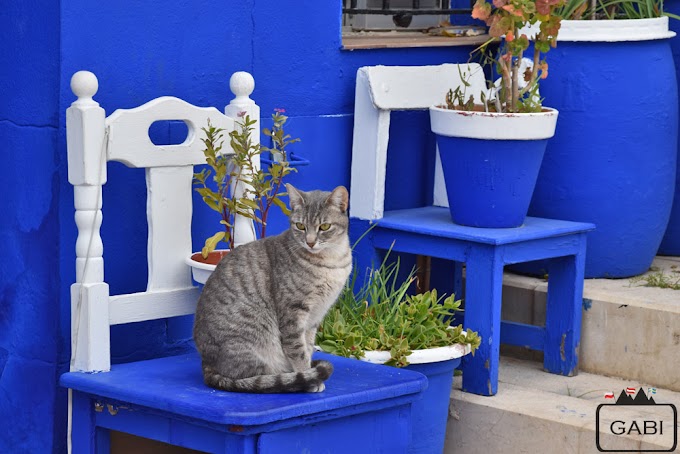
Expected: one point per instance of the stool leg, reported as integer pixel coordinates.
(86, 437)
(563, 314)
(483, 288)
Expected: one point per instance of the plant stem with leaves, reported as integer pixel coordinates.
(505, 19)
(241, 186)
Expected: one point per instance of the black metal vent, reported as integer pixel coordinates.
(402, 16)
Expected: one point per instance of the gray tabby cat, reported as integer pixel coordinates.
(259, 311)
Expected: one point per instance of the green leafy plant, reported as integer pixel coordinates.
(382, 316)
(260, 188)
(505, 18)
(612, 9)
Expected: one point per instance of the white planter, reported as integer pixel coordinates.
(607, 30)
(493, 125)
(426, 356)
(201, 271)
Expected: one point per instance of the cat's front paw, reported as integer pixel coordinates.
(316, 387)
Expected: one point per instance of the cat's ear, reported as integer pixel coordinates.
(339, 197)
(296, 199)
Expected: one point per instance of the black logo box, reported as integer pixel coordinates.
(670, 425)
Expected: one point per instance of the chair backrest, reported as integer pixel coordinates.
(93, 139)
(379, 91)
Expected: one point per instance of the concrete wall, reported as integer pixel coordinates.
(141, 50)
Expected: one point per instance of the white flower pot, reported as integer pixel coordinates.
(200, 270)
(426, 356)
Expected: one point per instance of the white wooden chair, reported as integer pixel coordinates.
(93, 140)
(165, 398)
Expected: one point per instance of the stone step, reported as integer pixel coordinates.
(628, 330)
(537, 412)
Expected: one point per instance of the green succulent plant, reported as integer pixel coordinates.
(382, 316)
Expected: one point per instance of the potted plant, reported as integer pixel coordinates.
(382, 323)
(491, 146)
(239, 185)
(612, 160)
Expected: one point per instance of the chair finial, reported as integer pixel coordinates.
(241, 84)
(84, 85)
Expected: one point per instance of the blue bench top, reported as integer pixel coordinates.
(436, 221)
(175, 384)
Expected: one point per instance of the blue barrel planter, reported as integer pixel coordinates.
(430, 414)
(490, 163)
(612, 160)
(670, 245)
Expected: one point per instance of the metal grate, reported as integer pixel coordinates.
(402, 11)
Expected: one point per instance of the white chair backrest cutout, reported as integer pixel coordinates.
(94, 139)
(379, 91)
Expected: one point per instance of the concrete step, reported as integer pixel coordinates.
(628, 330)
(537, 412)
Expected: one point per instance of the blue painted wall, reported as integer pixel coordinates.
(141, 50)
(29, 229)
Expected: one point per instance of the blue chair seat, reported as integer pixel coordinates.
(165, 399)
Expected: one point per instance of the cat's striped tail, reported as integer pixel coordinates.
(310, 380)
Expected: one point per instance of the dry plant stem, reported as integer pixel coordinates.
(505, 80)
(593, 7)
(264, 209)
(534, 72)
(232, 184)
(515, 81)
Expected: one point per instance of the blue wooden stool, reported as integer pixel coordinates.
(430, 231)
(365, 408)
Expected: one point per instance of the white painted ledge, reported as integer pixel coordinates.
(610, 30)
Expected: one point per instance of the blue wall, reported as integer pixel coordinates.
(141, 50)
(29, 232)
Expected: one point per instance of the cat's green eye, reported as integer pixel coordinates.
(324, 227)
(300, 225)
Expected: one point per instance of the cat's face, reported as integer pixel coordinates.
(319, 219)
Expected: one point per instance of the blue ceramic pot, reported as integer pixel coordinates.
(490, 163)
